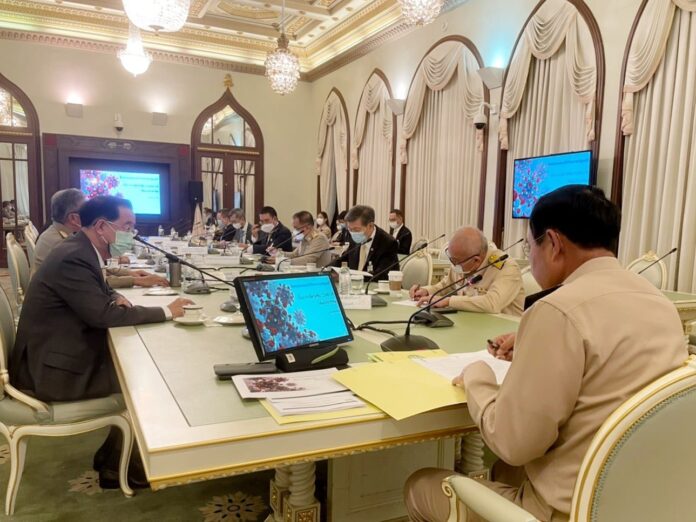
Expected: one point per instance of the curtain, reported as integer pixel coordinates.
(332, 156)
(439, 144)
(548, 102)
(660, 149)
(372, 149)
(557, 23)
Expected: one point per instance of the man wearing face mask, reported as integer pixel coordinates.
(240, 229)
(270, 233)
(500, 289)
(399, 231)
(61, 351)
(65, 213)
(376, 246)
(313, 244)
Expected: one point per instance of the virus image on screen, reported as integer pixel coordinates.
(279, 323)
(530, 175)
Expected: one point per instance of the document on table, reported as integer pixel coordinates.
(296, 384)
(400, 356)
(401, 388)
(367, 409)
(316, 403)
(406, 302)
(452, 365)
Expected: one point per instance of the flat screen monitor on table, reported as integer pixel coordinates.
(534, 177)
(291, 312)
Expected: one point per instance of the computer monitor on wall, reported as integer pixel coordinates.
(533, 177)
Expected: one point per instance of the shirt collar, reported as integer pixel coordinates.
(594, 265)
(99, 257)
(64, 231)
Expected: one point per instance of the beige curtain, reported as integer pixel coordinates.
(659, 195)
(440, 146)
(556, 24)
(548, 103)
(332, 156)
(372, 149)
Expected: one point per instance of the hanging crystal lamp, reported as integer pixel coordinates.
(420, 12)
(282, 66)
(134, 58)
(166, 16)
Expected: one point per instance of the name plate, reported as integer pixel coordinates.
(356, 302)
(194, 251)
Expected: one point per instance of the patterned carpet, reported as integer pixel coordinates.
(59, 485)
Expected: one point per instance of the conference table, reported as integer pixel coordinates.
(191, 427)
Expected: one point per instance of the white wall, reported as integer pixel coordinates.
(52, 76)
(493, 26)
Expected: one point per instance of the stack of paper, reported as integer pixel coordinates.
(451, 366)
(279, 385)
(316, 403)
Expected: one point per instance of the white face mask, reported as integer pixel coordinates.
(320, 221)
(237, 226)
(458, 270)
(267, 227)
(393, 224)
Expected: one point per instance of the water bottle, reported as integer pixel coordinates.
(160, 231)
(344, 280)
(172, 233)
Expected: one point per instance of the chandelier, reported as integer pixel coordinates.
(165, 16)
(134, 58)
(282, 66)
(420, 12)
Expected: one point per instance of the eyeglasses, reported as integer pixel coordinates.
(527, 248)
(462, 262)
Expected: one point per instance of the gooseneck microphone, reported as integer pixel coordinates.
(177, 259)
(406, 342)
(303, 255)
(377, 274)
(658, 260)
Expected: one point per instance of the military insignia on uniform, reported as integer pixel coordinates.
(493, 260)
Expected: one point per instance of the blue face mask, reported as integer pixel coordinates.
(358, 237)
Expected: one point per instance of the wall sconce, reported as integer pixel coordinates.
(492, 76)
(73, 110)
(159, 118)
(396, 106)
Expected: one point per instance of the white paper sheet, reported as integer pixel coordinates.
(407, 302)
(451, 366)
(278, 385)
(316, 403)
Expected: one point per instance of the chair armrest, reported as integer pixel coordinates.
(482, 500)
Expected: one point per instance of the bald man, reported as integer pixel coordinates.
(500, 289)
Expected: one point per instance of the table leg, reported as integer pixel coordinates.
(300, 505)
(280, 489)
(472, 456)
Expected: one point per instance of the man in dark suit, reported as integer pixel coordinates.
(400, 232)
(237, 228)
(271, 233)
(377, 248)
(61, 351)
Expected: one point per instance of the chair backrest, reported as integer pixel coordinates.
(528, 282)
(417, 245)
(640, 464)
(30, 231)
(31, 252)
(21, 260)
(7, 328)
(14, 263)
(443, 253)
(657, 274)
(418, 270)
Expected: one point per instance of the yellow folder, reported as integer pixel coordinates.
(400, 388)
(368, 409)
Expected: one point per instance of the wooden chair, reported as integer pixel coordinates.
(22, 416)
(528, 282)
(657, 274)
(639, 466)
(418, 270)
(18, 267)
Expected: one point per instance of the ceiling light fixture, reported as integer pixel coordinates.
(282, 66)
(134, 58)
(166, 16)
(420, 12)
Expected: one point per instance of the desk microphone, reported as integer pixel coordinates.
(406, 342)
(376, 298)
(176, 259)
(658, 260)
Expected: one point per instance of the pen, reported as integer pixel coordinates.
(493, 344)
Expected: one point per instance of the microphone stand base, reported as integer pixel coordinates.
(377, 301)
(404, 343)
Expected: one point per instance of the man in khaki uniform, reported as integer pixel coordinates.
(579, 353)
(314, 245)
(500, 289)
